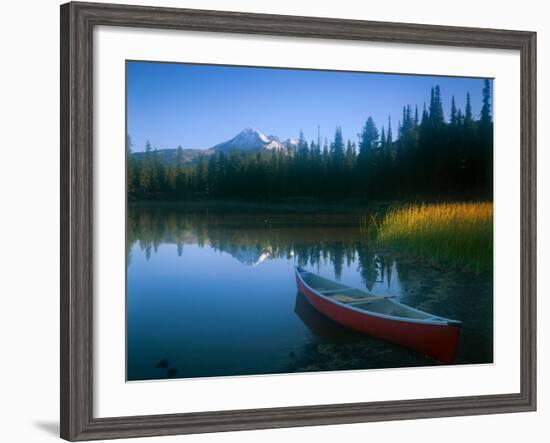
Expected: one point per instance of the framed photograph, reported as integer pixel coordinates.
(273, 221)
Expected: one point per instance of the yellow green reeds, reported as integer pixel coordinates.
(454, 233)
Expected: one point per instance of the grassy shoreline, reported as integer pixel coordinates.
(293, 205)
(454, 233)
(459, 234)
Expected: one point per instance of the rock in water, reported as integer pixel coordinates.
(171, 372)
(162, 363)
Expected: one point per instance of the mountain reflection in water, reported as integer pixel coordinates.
(213, 292)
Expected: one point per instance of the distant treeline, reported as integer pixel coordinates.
(430, 157)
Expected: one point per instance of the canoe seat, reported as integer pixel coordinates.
(347, 299)
(334, 291)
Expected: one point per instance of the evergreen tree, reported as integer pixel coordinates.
(130, 168)
(325, 160)
(302, 148)
(368, 138)
(454, 114)
(485, 115)
(338, 148)
(486, 135)
(425, 116)
(436, 108)
(315, 150)
(368, 159)
(460, 118)
(350, 157)
(325, 150)
(383, 140)
(430, 158)
(146, 170)
(468, 117)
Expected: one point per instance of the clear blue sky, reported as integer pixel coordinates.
(198, 106)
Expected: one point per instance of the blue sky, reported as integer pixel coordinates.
(198, 106)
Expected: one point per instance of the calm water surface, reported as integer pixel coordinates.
(211, 292)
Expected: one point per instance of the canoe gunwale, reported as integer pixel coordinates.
(444, 322)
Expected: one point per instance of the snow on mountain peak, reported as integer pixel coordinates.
(253, 133)
(248, 140)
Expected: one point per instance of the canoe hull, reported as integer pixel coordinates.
(438, 341)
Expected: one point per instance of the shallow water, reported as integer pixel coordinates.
(212, 292)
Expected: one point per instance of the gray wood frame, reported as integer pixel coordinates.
(77, 23)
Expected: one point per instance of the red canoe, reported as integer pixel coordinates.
(382, 317)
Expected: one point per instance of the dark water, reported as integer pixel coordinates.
(211, 292)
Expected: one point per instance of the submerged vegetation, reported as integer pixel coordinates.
(454, 233)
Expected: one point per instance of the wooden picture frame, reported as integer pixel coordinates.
(77, 23)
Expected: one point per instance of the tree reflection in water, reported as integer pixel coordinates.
(268, 243)
(251, 238)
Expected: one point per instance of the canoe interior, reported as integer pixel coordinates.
(362, 300)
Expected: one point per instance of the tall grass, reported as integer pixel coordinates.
(454, 233)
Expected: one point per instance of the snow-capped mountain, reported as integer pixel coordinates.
(252, 256)
(250, 140)
(290, 143)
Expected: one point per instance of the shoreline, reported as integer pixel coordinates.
(292, 205)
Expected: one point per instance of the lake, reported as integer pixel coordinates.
(211, 292)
